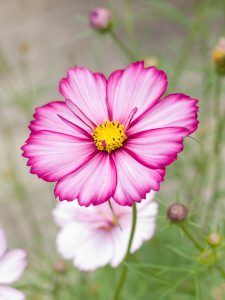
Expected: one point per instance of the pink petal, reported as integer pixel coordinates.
(89, 248)
(156, 148)
(47, 117)
(134, 180)
(175, 110)
(12, 265)
(135, 87)
(93, 183)
(8, 293)
(53, 155)
(3, 243)
(88, 92)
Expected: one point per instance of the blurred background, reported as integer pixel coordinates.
(39, 40)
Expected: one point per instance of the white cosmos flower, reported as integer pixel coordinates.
(92, 237)
(12, 265)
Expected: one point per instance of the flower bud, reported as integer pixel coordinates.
(151, 61)
(214, 239)
(177, 212)
(60, 267)
(100, 19)
(219, 57)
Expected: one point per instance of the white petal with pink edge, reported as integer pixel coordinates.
(88, 92)
(3, 243)
(175, 110)
(134, 180)
(8, 293)
(12, 265)
(53, 155)
(94, 183)
(156, 148)
(134, 89)
(47, 117)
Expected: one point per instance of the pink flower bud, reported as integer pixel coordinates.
(60, 266)
(100, 18)
(177, 212)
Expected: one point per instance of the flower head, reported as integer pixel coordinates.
(111, 138)
(177, 212)
(93, 237)
(214, 239)
(219, 57)
(100, 18)
(12, 265)
(151, 61)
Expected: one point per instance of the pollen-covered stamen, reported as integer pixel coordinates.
(109, 136)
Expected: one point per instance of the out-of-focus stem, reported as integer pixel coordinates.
(186, 49)
(129, 24)
(219, 127)
(129, 54)
(124, 270)
(190, 236)
(198, 245)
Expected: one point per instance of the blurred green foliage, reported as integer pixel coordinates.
(169, 267)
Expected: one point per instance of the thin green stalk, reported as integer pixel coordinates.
(129, 24)
(190, 236)
(198, 245)
(188, 43)
(219, 127)
(127, 257)
(129, 54)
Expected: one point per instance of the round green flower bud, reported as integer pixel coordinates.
(214, 239)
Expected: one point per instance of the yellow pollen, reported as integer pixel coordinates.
(109, 136)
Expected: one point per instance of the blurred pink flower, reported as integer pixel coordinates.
(110, 138)
(12, 265)
(93, 238)
(100, 18)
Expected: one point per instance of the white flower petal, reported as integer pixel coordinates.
(3, 243)
(8, 293)
(90, 237)
(12, 265)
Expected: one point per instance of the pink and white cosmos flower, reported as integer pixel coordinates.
(92, 237)
(111, 138)
(12, 265)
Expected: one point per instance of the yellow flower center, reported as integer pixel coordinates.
(109, 136)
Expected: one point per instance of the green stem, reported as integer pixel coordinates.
(219, 127)
(198, 246)
(129, 24)
(188, 43)
(127, 257)
(129, 54)
(190, 236)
